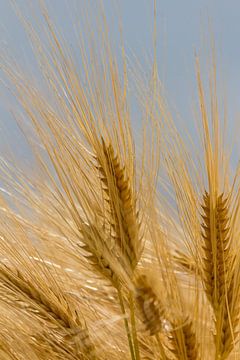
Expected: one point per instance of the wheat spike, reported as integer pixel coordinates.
(99, 252)
(123, 214)
(216, 249)
(180, 335)
(220, 274)
(182, 340)
(52, 307)
(151, 310)
(150, 306)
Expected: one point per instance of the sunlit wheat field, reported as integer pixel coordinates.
(119, 213)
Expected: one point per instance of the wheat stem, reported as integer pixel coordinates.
(126, 324)
(133, 324)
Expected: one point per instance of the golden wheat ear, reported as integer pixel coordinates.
(217, 258)
(46, 305)
(220, 274)
(178, 336)
(99, 254)
(182, 339)
(151, 309)
(119, 193)
(16, 336)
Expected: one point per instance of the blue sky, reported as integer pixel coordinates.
(182, 27)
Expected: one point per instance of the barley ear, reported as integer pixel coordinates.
(220, 273)
(182, 339)
(52, 307)
(124, 219)
(99, 254)
(216, 248)
(151, 309)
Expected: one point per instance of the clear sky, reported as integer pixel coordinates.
(183, 26)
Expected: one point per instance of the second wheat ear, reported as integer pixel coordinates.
(219, 273)
(177, 334)
(60, 315)
(217, 248)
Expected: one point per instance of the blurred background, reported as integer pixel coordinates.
(184, 28)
